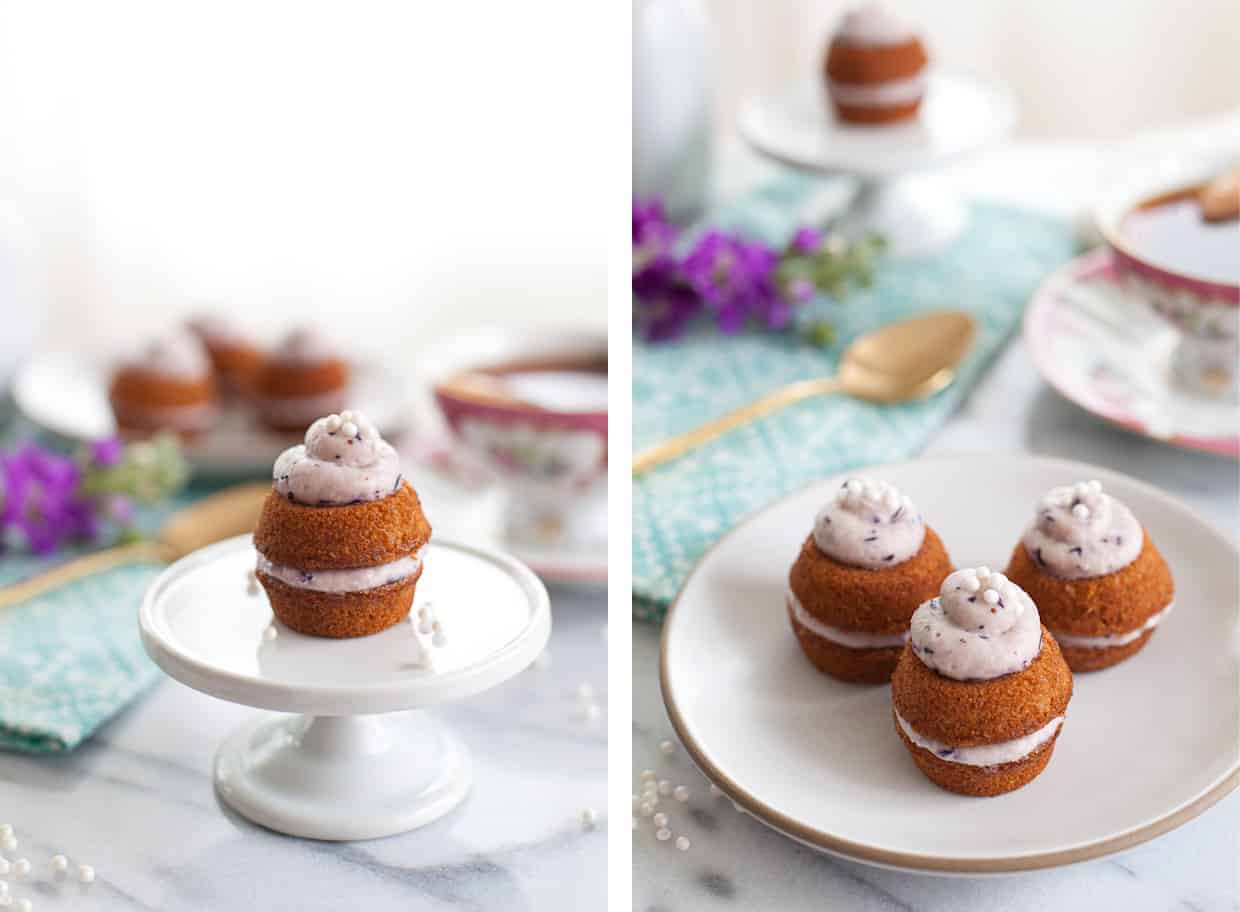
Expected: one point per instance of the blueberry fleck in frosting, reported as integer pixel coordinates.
(1080, 532)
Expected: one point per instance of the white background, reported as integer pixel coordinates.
(396, 169)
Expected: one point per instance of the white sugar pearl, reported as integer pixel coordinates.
(659, 819)
(646, 775)
(60, 864)
(715, 791)
(663, 835)
(972, 584)
(855, 486)
(1081, 512)
(585, 691)
(681, 793)
(349, 429)
(21, 867)
(665, 787)
(86, 874)
(1095, 487)
(24, 905)
(646, 809)
(990, 597)
(588, 818)
(682, 843)
(983, 572)
(667, 748)
(841, 495)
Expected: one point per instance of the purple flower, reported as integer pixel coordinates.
(665, 314)
(735, 279)
(807, 240)
(106, 452)
(40, 498)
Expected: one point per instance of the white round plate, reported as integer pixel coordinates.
(67, 395)
(200, 624)
(798, 128)
(1148, 744)
(1104, 350)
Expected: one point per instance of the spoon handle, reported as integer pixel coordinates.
(677, 446)
(83, 566)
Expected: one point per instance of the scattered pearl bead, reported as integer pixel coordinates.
(585, 691)
(665, 787)
(86, 874)
(681, 793)
(663, 835)
(21, 867)
(588, 818)
(646, 809)
(651, 799)
(647, 775)
(715, 791)
(682, 843)
(667, 748)
(659, 819)
(60, 864)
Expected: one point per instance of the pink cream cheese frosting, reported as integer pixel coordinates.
(343, 461)
(981, 626)
(1081, 532)
(869, 524)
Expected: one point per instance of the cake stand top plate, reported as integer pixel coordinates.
(205, 626)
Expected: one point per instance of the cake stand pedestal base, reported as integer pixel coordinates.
(343, 777)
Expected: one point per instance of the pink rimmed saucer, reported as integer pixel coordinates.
(1106, 351)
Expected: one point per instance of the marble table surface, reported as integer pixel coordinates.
(136, 801)
(735, 862)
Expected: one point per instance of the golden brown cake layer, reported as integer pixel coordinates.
(1118, 602)
(863, 600)
(340, 614)
(135, 389)
(969, 713)
(979, 781)
(341, 537)
(282, 379)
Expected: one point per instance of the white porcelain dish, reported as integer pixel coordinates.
(1147, 744)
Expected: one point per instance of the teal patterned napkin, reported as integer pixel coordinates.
(680, 509)
(70, 659)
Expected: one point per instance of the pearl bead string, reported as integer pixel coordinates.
(20, 869)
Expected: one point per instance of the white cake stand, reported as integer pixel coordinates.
(349, 768)
(958, 116)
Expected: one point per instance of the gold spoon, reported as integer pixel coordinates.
(219, 516)
(911, 359)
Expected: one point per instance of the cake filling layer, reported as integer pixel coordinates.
(981, 626)
(853, 639)
(343, 461)
(878, 94)
(984, 754)
(1109, 640)
(869, 524)
(1081, 532)
(356, 579)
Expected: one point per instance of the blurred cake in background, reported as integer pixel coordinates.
(875, 67)
(168, 386)
(305, 377)
(235, 358)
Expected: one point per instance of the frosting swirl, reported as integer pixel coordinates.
(869, 524)
(1081, 532)
(872, 25)
(343, 461)
(981, 626)
(178, 355)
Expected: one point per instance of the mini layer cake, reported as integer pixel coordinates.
(341, 536)
(874, 68)
(168, 387)
(861, 573)
(235, 358)
(981, 689)
(302, 379)
(1100, 583)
